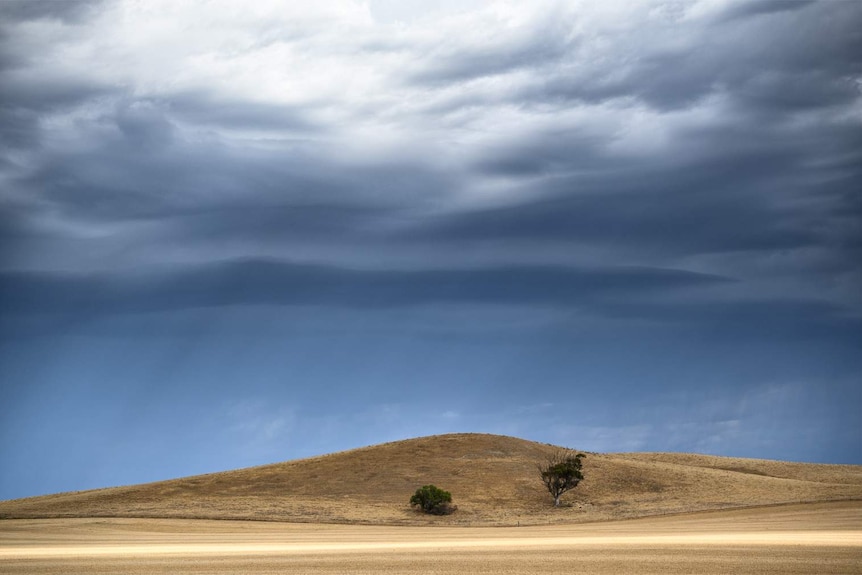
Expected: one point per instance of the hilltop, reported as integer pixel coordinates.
(493, 480)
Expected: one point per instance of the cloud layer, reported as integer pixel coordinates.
(684, 171)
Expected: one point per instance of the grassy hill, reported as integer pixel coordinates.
(493, 480)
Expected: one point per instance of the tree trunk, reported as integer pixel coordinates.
(557, 500)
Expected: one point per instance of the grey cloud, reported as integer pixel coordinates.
(533, 49)
(779, 92)
(144, 126)
(253, 282)
(133, 178)
(142, 168)
(28, 98)
(790, 59)
(24, 102)
(751, 8)
(718, 189)
(806, 60)
(767, 319)
(31, 94)
(550, 152)
(669, 223)
(69, 11)
(741, 184)
(17, 131)
(733, 186)
(321, 223)
(665, 81)
(204, 109)
(14, 231)
(21, 49)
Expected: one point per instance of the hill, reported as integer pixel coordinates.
(493, 480)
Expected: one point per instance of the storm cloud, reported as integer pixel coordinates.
(519, 192)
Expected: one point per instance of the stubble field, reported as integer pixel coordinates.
(805, 538)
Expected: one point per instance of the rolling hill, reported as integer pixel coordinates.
(493, 480)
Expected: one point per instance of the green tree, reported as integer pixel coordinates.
(432, 499)
(561, 472)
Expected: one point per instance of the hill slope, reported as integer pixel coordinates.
(493, 480)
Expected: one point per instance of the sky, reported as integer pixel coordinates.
(236, 233)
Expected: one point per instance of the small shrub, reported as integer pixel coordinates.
(431, 499)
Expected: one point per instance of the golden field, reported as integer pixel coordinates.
(805, 538)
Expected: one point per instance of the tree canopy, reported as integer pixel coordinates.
(561, 472)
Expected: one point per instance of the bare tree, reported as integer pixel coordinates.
(561, 472)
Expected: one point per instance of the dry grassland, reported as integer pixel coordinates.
(493, 480)
(811, 538)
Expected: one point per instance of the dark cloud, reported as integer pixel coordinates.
(68, 11)
(779, 92)
(142, 171)
(24, 102)
(18, 129)
(28, 96)
(208, 110)
(765, 320)
(790, 59)
(679, 221)
(748, 9)
(267, 282)
(321, 223)
(533, 49)
(145, 127)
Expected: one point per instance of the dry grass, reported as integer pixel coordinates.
(493, 480)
